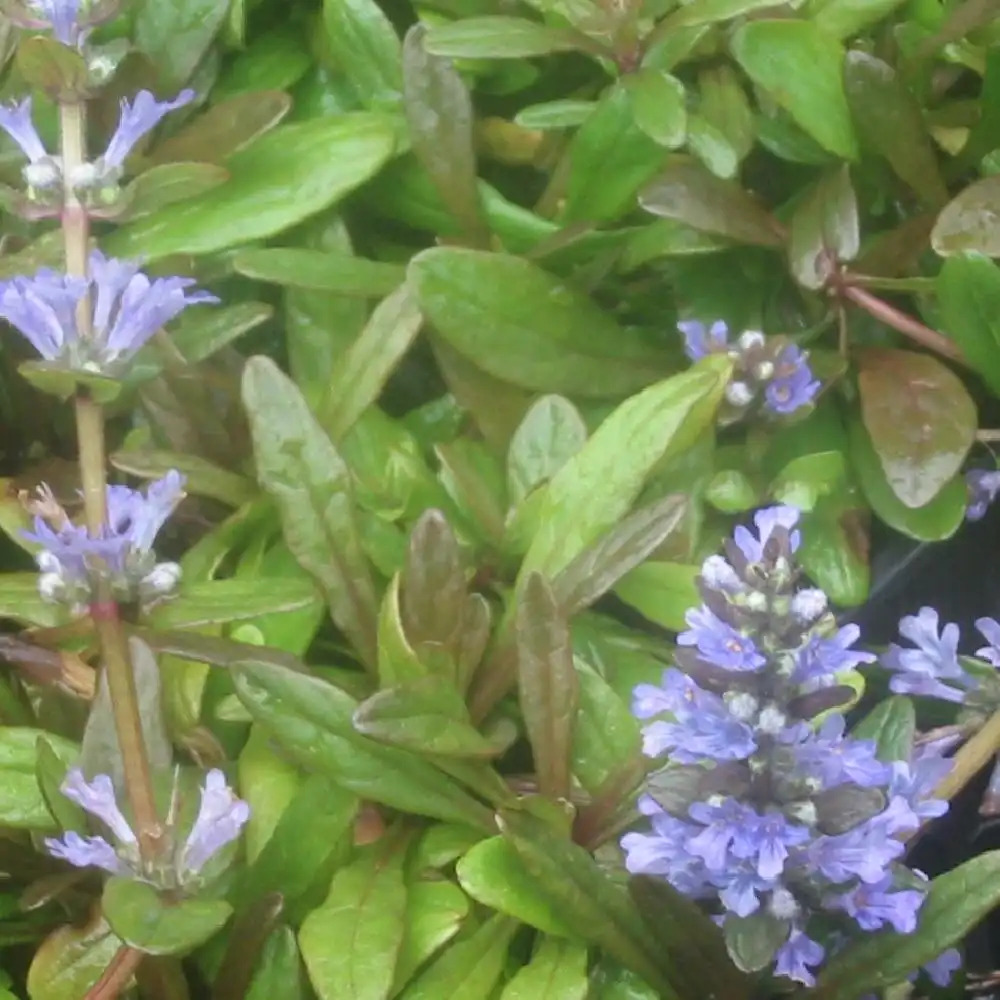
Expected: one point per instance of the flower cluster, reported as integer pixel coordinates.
(983, 485)
(767, 809)
(97, 181)
(71, 558)
(70, 21)
(770, 373)
(125, 309)
(220, 818)
(931, 666)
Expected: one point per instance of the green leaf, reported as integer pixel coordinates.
(425, 716)
(920, 418)
(731, 491)
(611, 158)
(366, 49)
(554, 114)
(968, 221)
(202, 477)
(22, 805)
(339, 273)
(201, 332)
(940, 518)
(276, 60)
(177, 35)
(21, 602)
(804, 480)
(557, 971)
(844, 18)
(548, 337)
(551, 432)
(71, 960)
(441, 119)
(968, 289)
(50, 66)
(285, 176)
(606, 739)
(166, 184)
(598, 568)
(834, 550)
(686, 192)
(299, 466)
(892, 724)
(725, 107)
(434, 914)
(657, 101)
(801, 67)
(223, 129)
(700, 12)
(278, 975)
(824, 230)
(662, 592)
(492, 874)
(956, 902)
(305, 841)
(753, 941)
(596, 908)
(211, 602)
(312, 720)
(268, 783)
(145, 921)
(547, 684)
(351, 942)
(470, 967)
(710, 145)
(363, 370)
(499, 38)
(599, 485)
(50, 377)
(890, 122)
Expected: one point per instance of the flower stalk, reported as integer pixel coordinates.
(93, 473)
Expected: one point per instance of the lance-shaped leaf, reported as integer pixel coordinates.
(920, 417)
(753, 941)
(557, 971)
(320, 271)
(968, 288)
(892, 724)
(364, 44)
(299, 466)
(547, 684)
(435, 911)
(956, 902)
(695, 946)
(551, 432)
(890, 122)
(500, 37)
(163, 185)
(211, 602)
(313, 722)
(426, 716)
(969, 220)
(592, 905)
(351, 942)
(824, 230)
(439, 113)
(686, 192)
(599, 567)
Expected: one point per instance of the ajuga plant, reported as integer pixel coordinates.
(376, 382)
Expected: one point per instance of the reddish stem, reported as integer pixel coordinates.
(117, 975)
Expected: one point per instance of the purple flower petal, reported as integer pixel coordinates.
(17, 123)
(793, 385)
(139, 117)
(719, 643)
(98, 798)
(63, 16)
(220, 818)
(796, 955)
(86, 852)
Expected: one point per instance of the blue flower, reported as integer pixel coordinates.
(924, 670)
(989, 628)
(983, 485)
(128, 308)
(739, 891)
(719, 643)
(864, 852)
(138, 117)
(87, 852)
(822, 657)
(767, 521)
(220, 819)
(874, 906)
(796, 955)
(914, 782)
(793, 385)
(727, 833)
(943, 968)
(701, 339)
(832, 758)
(62, 16)
(42, 172)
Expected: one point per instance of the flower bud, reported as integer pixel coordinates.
(52, 587)
(808, 605)
(739, 394)
(163, 579)
(750, 339)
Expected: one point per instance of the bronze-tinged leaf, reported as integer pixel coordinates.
(547, 683)
(920, 418)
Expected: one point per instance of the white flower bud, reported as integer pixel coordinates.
(763, 371)
(808, 605)
(772, 720)
(719, 575)
(42, 174)
(163, 579)
(47, 562)
(52, 587)
(756, 601)
(750, 339)
(84, 175)
(783, 904)
(804, 811)
(742, 706)
(739, 394)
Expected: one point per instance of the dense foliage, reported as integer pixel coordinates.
(487, 328)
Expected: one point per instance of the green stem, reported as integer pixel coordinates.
(971, 759)
(93, 473)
